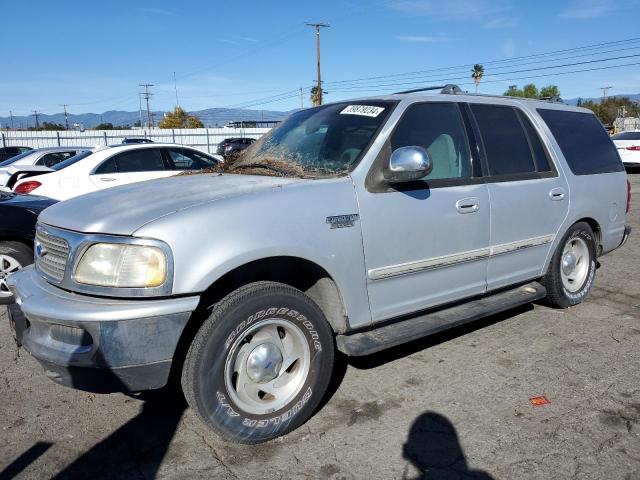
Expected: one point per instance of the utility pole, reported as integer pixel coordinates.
(36, 113)
(147, 95)
(11, 117)
(175, 87)
(301, 99)
(318, 26)
(66, 116)
(605, 90)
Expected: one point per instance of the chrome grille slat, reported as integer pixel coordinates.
(54, 262)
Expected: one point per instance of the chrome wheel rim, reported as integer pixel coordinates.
(574, 264)
(267, 366)
(8, 265)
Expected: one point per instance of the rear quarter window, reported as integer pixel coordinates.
(583, 141)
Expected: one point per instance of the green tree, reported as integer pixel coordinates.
(50, 126)
(180, 119)
(549, 91)
(315, 100)
(531, 91)
(610, 108)
(104, 126)
(477, 72)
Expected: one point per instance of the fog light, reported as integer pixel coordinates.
(70, 335)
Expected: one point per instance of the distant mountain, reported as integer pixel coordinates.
(631, 96)
(211, 117)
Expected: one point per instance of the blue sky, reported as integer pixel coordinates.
(93, 55)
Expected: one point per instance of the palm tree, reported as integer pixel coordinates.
(477, 74)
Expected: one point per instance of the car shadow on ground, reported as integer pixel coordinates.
(433, 448)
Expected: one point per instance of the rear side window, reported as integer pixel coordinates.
(504, 139)
(186, 159)
(583, 141)
(539, 153)
(439, 128)
(140, 160)
(51, 159)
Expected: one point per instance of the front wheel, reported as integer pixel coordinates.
(260, 364)
(572, 268)
(13, 257)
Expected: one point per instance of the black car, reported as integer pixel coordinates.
(130, 140)
(18, 215)
(8, 152)
(231, 146)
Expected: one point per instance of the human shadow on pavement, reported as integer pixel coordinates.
(23, 461)
(432, 447)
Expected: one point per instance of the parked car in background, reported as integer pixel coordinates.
(18, 216)
(232, 146)
(357, 226)
(130, 140)
(39, 157)
(8, 152)
(109, 167)
(628, 145)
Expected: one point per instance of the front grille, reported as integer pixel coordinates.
(51, 255)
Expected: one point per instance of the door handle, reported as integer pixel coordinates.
(468, 205)
(107, 179)
(556, 194)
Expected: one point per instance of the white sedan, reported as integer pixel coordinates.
(628, 145)
(112, 166)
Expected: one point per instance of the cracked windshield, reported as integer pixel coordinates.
(316, 142)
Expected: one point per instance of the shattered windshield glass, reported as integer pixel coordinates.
(319, 141)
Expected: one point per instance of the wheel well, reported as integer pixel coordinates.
(296, 272)
(596, 231)
(15, 238)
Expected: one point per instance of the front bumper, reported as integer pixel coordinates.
(97, 344)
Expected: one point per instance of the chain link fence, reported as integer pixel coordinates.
(205, 139)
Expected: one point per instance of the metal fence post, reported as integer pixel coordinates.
(58, 137)
(4, 141)
(208, 145)
(173, 135)
(104, 134)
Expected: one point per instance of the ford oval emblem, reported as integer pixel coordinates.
(40, 250)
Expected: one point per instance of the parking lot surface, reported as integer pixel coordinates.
(456, 405)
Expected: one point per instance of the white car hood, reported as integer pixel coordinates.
(123, 210)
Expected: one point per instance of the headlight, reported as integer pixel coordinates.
(122, 265)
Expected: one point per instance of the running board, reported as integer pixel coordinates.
(399, 332)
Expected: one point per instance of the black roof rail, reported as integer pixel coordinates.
(449, 89)
(552, 99)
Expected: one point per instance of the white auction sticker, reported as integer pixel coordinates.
(365, 110)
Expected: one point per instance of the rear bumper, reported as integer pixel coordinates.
(625, 237)
(97, 344)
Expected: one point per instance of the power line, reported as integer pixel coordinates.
(35, 114)
(492, 62)
(147, 95)
(451, 79)
(66, 116)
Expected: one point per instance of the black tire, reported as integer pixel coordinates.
(18, 252)
(203, 373)
(557, 295)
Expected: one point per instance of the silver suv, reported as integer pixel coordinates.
(352, 227)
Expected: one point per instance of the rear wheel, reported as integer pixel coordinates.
(573, 267)
(13, 257)
(260, 364)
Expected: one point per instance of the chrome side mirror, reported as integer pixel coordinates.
(408, 164)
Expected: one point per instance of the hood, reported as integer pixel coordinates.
(33, 203)
(123, 210)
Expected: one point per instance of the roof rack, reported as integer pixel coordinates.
(452, 89)
(448, 89)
